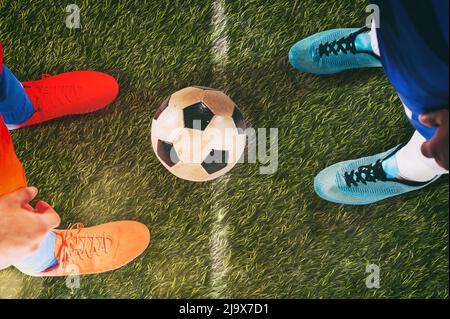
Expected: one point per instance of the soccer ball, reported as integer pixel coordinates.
(198, 134)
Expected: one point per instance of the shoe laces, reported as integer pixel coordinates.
(59, 92)
(78, 246)
(344, 45)
(366, 173)
(35, 99)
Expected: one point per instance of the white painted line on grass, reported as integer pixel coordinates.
(219, 35)
(219, 251)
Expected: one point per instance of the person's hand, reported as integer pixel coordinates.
(22, 227)
(437, 147)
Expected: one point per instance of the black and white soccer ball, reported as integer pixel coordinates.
(198, 134)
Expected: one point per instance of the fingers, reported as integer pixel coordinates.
(28, 207)
(427, 149)
(437, 147)
(48, 214)
(24, 195)
(434, 119)
(45, 213)
(429, 119)
(430, 150)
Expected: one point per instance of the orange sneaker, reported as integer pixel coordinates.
(78, 92)
(86, 251)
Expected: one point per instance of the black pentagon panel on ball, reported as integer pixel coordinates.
(238, 119)
(216, 161)
(167, 153)
(197, 116)
(162, 107)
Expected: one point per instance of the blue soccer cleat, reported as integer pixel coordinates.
(362, 181)
(334, 51)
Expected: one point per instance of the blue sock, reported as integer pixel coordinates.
(44, 259)
(15, 106)
(390, 167)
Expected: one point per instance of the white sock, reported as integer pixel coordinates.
(374, 39)
(410, 164)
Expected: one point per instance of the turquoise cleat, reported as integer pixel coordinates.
(362, 181)
(334, 51)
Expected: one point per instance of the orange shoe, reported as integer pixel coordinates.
(78, 92)
(86, 251)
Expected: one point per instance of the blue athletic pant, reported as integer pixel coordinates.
(15, 106)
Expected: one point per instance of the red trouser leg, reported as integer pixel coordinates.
(12, 175)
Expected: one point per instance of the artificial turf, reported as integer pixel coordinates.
(274, 237)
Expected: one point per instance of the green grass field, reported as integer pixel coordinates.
(275, 238)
